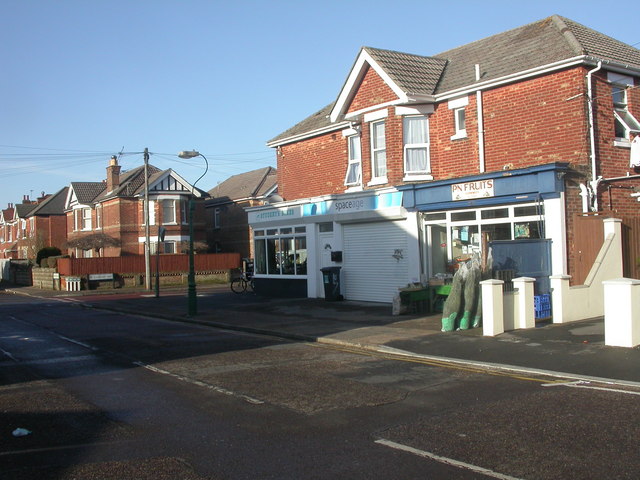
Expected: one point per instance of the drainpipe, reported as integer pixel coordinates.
(480, 123)
(592, 138)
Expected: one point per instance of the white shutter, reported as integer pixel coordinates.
(369, 270)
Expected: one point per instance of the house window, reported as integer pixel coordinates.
(184, 218)
(169, 247)
(416, 145)
(168, 212)
(86, 219)
(354, 167)
(152, 213)
(378, 151)
(23, 228)
(281, 251)
(458, 106)
(216, 218)
(460, 124)
(624, 122)
(98, 216)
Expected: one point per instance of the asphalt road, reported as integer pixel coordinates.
(114, 396)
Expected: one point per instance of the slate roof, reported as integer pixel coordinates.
(52, 205)
(131, 182)
(23, 209)
(537, 44)
(253, 184)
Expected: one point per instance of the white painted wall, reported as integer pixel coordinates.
(587, 301)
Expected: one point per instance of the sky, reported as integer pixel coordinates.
(84, 80)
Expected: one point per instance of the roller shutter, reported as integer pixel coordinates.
(369, 270)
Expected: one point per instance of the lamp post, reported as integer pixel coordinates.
(192, 301)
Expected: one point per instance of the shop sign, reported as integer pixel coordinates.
(471, 190)
(274, 214)
(353, 204)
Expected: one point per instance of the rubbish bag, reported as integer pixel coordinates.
(453, 304)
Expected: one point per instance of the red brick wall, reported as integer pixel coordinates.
(372, 91)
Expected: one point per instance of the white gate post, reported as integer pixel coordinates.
(559, 295)
(526, 311)
(492, 307)
(622, 312)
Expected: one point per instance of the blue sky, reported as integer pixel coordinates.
(83, 80)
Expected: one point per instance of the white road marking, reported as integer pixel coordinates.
(199, 383)
(445, 460)
(583, 384)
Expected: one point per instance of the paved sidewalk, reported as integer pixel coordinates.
(573, 350)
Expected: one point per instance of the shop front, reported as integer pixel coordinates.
(521, 208)
(369, 236)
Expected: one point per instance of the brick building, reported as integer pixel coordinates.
(107, 218)
(27, 227)
(421, 158)
(227, 219)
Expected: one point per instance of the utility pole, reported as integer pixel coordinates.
(147, 258)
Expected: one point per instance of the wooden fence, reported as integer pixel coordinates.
(135, 264)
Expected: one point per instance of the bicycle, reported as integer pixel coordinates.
(241, 283)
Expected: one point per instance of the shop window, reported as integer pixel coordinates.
(281, 251)
(523, 230)
(528, 211)
(325, 227)
(494, 213)
(463, 216)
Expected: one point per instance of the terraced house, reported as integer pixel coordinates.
(106, 218)
(425, 159)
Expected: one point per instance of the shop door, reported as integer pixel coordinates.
(436, 249)
(375, 261)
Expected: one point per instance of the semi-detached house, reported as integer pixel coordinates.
(107, 218)
(420, 158)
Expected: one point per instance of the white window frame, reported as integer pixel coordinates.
(458, 106)
(354, 161)
(99, 216)
(184, 211)
(378, 150)
(416, 174)
(86, 219)
(621, 114)
(163, 203)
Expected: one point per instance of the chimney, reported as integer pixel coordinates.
(113, 174)
(25, 199)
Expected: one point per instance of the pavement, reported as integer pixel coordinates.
(573, 351)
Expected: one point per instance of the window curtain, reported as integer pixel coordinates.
(415, 133)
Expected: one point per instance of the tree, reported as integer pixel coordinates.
(93, 241)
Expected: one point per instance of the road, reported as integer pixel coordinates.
(112, 396)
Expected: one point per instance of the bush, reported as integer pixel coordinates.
(46, 252)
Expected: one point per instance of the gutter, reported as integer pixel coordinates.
(592, 140)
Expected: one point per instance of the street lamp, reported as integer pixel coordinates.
(192, 301)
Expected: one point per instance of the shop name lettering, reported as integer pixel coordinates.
(349, 205)
(483, 188)
(275, 214)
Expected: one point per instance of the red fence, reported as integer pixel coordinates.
(135, 264)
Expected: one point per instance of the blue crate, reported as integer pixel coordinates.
(542, 305)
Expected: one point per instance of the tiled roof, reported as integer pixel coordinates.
(318, 120)
(87, 192)
(131, 182)
(414, 74)
(53, 205)
(253, 184)
(541, 43)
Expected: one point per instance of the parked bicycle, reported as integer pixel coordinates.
(245, 281)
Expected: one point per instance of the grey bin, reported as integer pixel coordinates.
(331, 281)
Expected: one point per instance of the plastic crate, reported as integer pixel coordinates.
(542, 305)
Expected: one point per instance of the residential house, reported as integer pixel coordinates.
(46, 223)
(421, 159)
(107, 218)
(23, 231)
(228, 223)
(8, 246)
